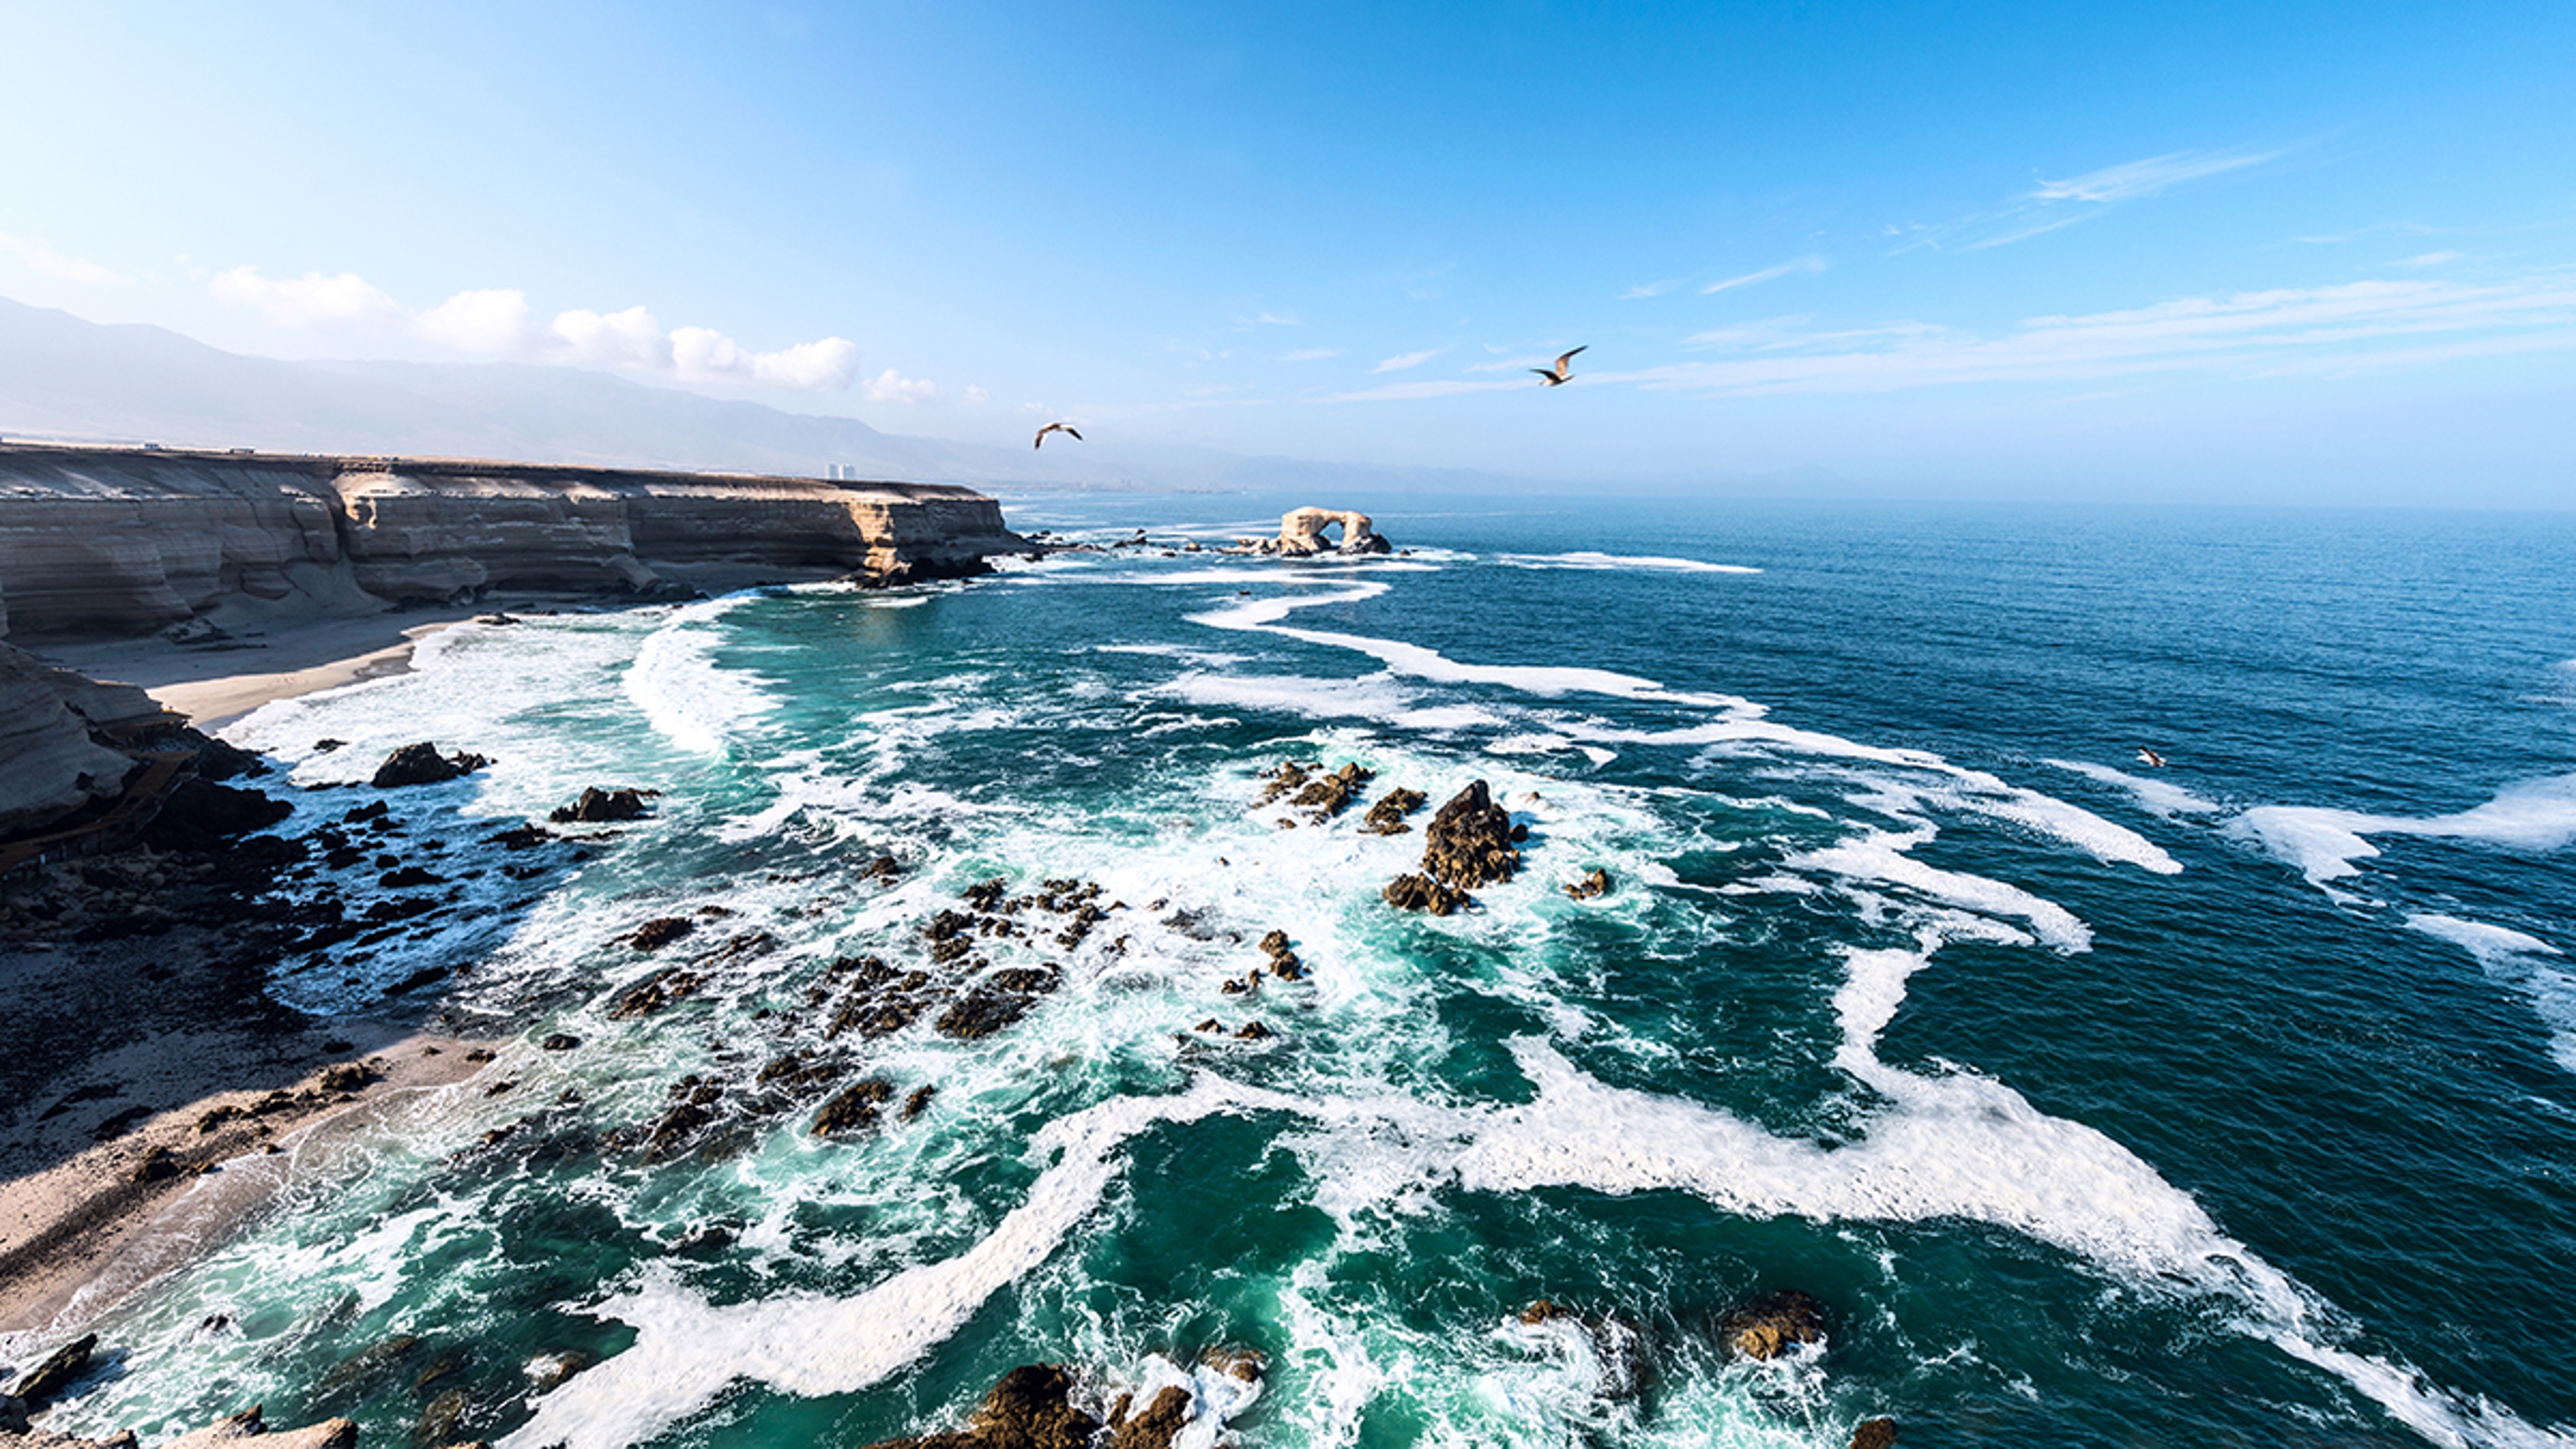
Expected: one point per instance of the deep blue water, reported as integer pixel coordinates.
(2232, 1101)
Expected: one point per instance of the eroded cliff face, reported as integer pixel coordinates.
(105, 542)
(50, 763)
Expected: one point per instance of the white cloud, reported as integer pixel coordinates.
(497, 322)
(1312, 354)
(1749, 279)
(492, 323)
(1648, 289)
(1267, 319)
(2281, 329)
(2053, 205)
(891, 386)
(38, 257)
(1402, 361)
(311, 300)
(2146, 178)
(630, 338)
(2430, 259)
(977, 395)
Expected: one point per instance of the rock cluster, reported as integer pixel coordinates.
(422, 764)
(1767, 1325)
(1470, 842)
(1386, 817)
(1595, 883)
(1322, 796)
(597, 806)
(1036, 1406)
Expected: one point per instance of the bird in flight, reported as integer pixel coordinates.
(1064, 428)
(2149, 757)
(1562, 373)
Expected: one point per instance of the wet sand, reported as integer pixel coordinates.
(215, 684)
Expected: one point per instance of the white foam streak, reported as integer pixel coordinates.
(687, 1351)
(2511, 957)
(684, 695)
(1881, 856)
(2162, 798)
(1605, 561)
(2532, 815)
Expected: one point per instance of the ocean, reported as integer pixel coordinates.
(2227, 1102)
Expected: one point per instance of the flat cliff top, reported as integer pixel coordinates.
(36, 470)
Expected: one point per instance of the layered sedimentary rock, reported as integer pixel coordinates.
(50, 764)
(108, 541)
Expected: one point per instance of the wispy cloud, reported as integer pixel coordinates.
(1267, 319)
(2430, 259)
(38, 257)
(498, 322)
(2055, 205)
(1311, 354)
(2316, 328)
(1649, 289)
(1433, 387)
(1403, 360)
(1767, 274)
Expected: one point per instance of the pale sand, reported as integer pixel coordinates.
(84, 1235)
(77, 1233)
(216, 684)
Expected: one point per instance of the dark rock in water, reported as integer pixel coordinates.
(1545, 1310)
(1327, 796)
(853, 1110)
(1386, 817)
(981, 1014)
(439, 1418)
(1237, 1361)
(1031, 1408)
(1422, 893)
(197, 810)
(659, 932)
(1254, 1031)
(523, 837)
(369, 1366)
(1158, 1424)
(1274, 944)
(548, 1372)
(326, 746)
(409, 877)
(1874, 1434)
(885, 870)
(674, 1129)
(1595, 882)
(1766, 1325)
(597, 805)
(60, 1370)
(557, 1041)
(422, 764)
(654, 992)
(1469, 843)
(987, 895)
(918, 1102)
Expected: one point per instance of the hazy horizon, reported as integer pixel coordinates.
(2304, 257)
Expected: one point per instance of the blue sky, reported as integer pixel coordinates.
(2294, 253)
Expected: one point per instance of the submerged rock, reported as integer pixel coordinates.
(422, 764)
(1874, 1434)
(855, 1109)
(1595, 882)
(1766, 1325)
(659, 932)
(597, 805)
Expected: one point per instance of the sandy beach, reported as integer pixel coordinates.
(150, 1093)
(215, 684)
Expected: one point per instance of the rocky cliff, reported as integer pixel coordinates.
(107, 541)
(103, 542)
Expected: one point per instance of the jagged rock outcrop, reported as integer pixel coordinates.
(1470, 842)
(422, 764)
(124, 541)
(328, 1434)
(597, 805)
(1768, 1324)
(1301, 535)
(51, 762)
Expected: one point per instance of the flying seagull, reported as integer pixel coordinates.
(2149, 757)
(1562, 373)
(1064, 428)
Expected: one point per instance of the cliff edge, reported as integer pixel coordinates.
(103, 542)
(100, 543)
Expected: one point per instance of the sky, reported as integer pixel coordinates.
(2287, 253)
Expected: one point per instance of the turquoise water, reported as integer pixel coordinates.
(2232, 1102)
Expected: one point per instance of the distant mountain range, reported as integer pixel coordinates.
(65, 378)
